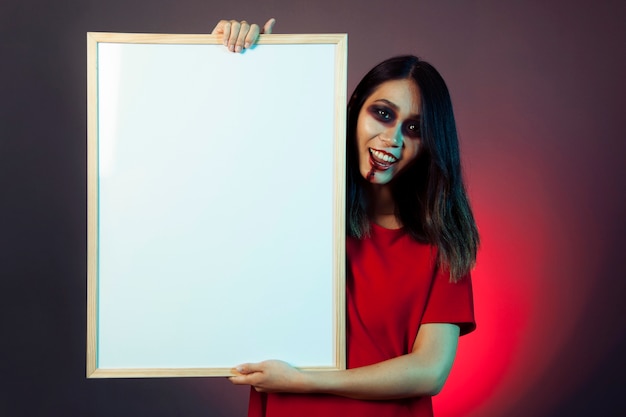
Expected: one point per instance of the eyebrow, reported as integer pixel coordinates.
(395, 106)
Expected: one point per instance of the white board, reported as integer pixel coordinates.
(216, 204)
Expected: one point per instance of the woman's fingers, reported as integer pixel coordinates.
(267, 376)
(238, 36)
(247, 36)
(245, 373)
(229, 32)
(241, 379)
(235, 28)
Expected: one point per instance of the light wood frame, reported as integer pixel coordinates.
(106, 292)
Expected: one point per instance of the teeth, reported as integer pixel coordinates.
(383, 156)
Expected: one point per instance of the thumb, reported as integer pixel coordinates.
(247, 368)
(269, 26)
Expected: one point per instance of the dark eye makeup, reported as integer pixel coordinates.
(412, 129)
(382, 113)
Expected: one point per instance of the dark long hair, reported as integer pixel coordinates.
(429, 195)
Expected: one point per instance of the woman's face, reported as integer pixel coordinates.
(388, 130)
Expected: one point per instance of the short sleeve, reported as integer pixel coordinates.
(451, 302)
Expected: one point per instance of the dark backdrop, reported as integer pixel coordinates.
(539, 94)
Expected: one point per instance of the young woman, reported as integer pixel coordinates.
(411, 244)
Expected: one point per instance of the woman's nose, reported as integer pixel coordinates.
(393, 135)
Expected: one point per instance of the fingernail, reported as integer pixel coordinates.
(247, 45)
(238, 48)
(239, 369)
(231, 48)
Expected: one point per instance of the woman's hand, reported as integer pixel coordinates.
(269, 376)
(421, 372)
(238, 36)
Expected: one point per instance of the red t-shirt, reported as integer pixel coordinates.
(393, 286)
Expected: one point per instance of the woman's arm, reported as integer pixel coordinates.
(238, 36)
(421, 372)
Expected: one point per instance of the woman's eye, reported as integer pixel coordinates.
(412, 129)
(382, 114)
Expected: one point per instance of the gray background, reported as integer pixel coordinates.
(539, 95)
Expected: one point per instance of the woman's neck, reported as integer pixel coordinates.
(383, 207)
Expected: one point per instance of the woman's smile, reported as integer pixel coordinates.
(381, 160)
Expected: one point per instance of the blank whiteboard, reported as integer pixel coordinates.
(215, 204)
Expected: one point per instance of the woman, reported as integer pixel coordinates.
(411, 243)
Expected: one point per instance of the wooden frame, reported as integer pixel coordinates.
(215, 204)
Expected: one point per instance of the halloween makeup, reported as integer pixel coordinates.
(388, 130)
